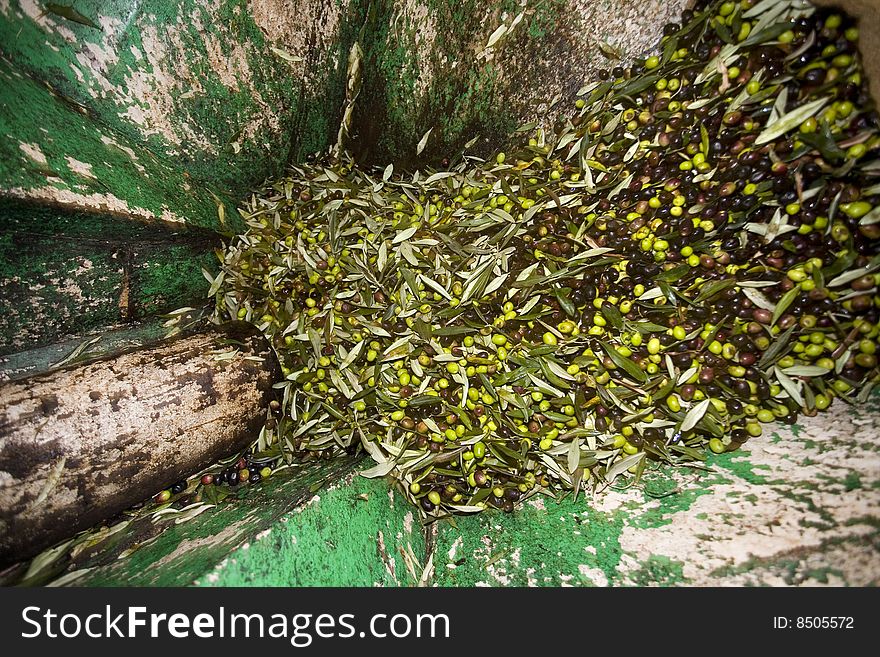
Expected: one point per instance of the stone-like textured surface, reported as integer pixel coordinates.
(80, 444)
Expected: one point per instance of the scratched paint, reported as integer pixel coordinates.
(65, 274)
(166, 96)
(798, 507)
(173, 101)
(428, 66)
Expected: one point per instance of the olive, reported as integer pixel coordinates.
(814, 76)
(475, 382)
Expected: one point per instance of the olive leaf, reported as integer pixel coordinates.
(45, 560)
(404, 235)
(776, 348)
(382, 258)
(612, 314)
(352, 355)
(823, 141)
(790, 121)
(495, 283)
(434, 285)
(71, 14)
(854, 274)
(763, 35)
(804, 370)
(865, 392)
(610, 51)
(423, 142)
(783, 304)
(286, 56)
(466, 508)
(379, 470)
(694, 415)
(574, 455)
(625, 363)
(51, 482)
(499, 32)
(871, 218)
(622, 466)
(758, 299)
(789, 385)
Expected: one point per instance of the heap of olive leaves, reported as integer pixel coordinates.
(692, 255)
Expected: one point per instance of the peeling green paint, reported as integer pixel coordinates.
(179, 554)
(758, 516)
(360, 527)
(796, 526)
(65, 274)
(427, 65)
(190, 95)
(737, 463)
(797, 567)
(544, 544)
(36, 160)
(659, 570)
(853, 481)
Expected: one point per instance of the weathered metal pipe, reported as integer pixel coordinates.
(81, 444)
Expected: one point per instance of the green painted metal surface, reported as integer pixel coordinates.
(161, 111)
(66, 273)
(356, 533)
(165, 100)
(122, 135)
(314, 526)
(69, 159)
(797, 507)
